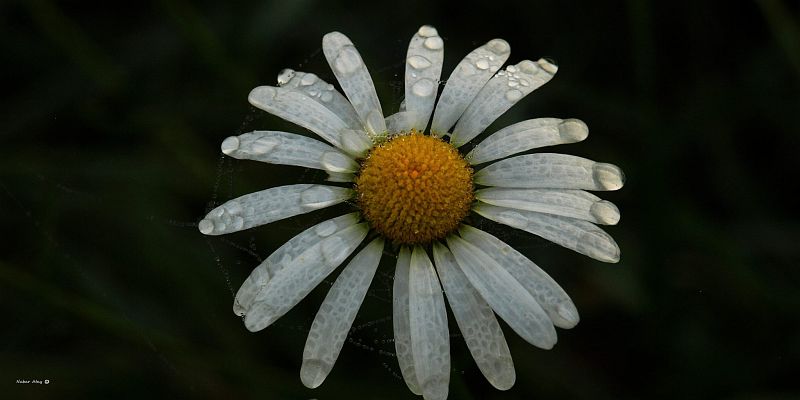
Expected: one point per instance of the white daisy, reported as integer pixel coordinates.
(415, 190)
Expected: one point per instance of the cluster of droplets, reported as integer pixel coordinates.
(307, 83)
(432, 43)
(489, 57)
(225, 217)
(522, 74)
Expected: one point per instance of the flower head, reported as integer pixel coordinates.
(415, 189)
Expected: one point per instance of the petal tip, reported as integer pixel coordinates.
(206, 226)
(573, 130)
(229, 145)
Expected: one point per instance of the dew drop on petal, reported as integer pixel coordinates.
(482, 63)
(427, 31)
(348, 60)
(285, 76)
(230, 144)
(326, 228)
(418, 62)
(513, 95)
(308, 79)
(264, 145)
(434, 43)
(205, 226)
(326, 96)
(423, 88)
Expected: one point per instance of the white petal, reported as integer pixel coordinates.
(466, 80)
(299, 109)
(567, 203)
(352, 74)
(355, 142)
(289, 149)
(553, 299)
(336, 314)
(498, 95)
(430, 340)
(322, 92)
(285, 255)
(584, 237)
(527, 135)
(509, 299)
(270, 205)
(476, 320)
(293, 282)
(423, 70)
(400, 321)
(553, 171)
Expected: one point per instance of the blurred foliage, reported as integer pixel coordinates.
(112, 116)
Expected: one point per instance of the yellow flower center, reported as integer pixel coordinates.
(414, 188)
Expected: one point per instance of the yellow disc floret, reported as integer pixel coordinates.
(414, 188)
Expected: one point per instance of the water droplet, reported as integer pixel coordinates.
(494, 68)
(608, 176)
(348, 60)
(233, 207)
(217, 212)
(238, 222)
(326, 228)
(482, 64)
(423, 88)
(418, 62)
(229, 145)
(513, 95)
(434, 43)
(326, 96)
(548, 64)
(498, 46)
(427, 31)
(512, 83)
(511, 69)
(605, 212)
(285, 76)
(264, 145)
(206, 227)
(528, 67)
(334, 249)
(317, 197)
(468, 70)
(335, 161)
(573, 130)
(524, 82)
(308, 79)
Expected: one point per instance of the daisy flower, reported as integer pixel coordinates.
(414, 188)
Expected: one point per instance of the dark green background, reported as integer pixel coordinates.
(110, 124)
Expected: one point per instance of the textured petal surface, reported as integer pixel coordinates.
(400, 320)
(476, 320)
(299, 109)
(430, 340)
(352, 74)
(289, 149)
(584, 237)
(553, 171)
(566, 203)
(527, 135)
(423, 70)
(292, 283)
(285, 254)
(508, 298)
(322, 92)
(337, 313)
(498, 95)
(270, 205)
(466, 80)
(553, 299)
